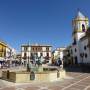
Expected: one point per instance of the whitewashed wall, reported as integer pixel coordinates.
(83, 44)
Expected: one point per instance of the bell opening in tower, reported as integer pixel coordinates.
(83, 27)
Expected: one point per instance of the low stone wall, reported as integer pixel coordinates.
(62, 74)
(11, 76)
(22, 77)
(41, 77)
(0, 73)
(4, 74)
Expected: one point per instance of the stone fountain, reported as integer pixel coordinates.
(35, 73)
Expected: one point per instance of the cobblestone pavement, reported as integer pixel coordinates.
(75, 81)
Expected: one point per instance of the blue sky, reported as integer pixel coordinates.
(39, 21)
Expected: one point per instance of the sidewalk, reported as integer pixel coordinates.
(4, 84)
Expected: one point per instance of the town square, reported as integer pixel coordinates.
(44, 45)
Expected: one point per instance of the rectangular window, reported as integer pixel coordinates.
(33, 49)
(47, 48)
(25, 48)
(36, 49)
(41, 54)
(48, 54)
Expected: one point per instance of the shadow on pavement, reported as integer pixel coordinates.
(77, 68)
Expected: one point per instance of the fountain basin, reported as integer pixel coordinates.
(25, 77)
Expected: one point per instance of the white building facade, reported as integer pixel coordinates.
(29, 52)
(85, 49)
(58, 54)
(10, 53)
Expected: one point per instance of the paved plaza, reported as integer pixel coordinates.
(73, 81)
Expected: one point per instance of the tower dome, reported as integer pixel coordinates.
(80, 15)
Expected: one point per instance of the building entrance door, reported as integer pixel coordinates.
(76, 60)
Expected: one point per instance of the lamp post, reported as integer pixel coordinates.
(28, 63)
(82, 55)
(28, 59)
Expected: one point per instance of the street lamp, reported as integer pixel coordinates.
(28, 58)
(82, 55)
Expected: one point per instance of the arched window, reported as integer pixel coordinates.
(83, 27)
(85, 55)
(74, 42)
(76, 60)
(75, 50)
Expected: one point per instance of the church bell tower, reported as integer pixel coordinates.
(80, 24)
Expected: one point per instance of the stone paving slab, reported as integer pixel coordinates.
(84, 83)
(78, 87)
(10, 88)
